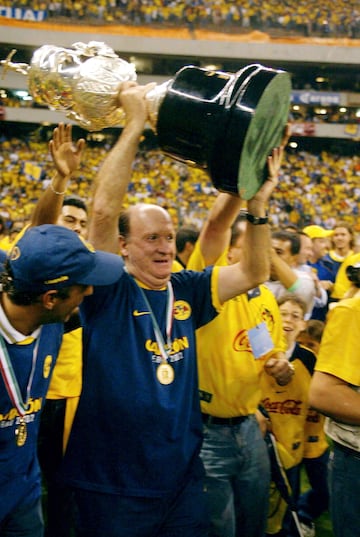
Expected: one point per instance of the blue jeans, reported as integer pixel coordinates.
(237, 479)
(344, 484)
(26, 520)
(182, 514)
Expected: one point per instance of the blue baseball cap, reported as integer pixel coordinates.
(52, 257)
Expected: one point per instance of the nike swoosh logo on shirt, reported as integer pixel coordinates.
(137, 313)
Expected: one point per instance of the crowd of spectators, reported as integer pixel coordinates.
(311, 114)
(313, 188)
(305, 17)
(319, 114)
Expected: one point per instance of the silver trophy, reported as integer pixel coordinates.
(225, 123)
(82, 81)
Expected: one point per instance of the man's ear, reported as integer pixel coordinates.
(49, 299)
(123, 245)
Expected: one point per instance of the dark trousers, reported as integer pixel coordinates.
(57, 499)
(181, 514)
(315, 501)
(24, 521)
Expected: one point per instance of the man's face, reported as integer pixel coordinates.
(64, 307)
(341, 237)
(306, 249)
(235, 251)
(75, 219)
(320, 247)
(283, 250)
(149, 250)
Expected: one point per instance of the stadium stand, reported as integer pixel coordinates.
(320, 170)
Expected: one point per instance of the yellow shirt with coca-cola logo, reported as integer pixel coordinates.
(288, 406)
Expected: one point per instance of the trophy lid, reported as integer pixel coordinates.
(265, 131)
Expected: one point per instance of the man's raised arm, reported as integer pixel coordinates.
(254, 267)
(66, 156)
(114, 175)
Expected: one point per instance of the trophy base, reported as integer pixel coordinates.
(226, 123)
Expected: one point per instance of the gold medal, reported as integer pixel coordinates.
(165, 373)
(21, 433)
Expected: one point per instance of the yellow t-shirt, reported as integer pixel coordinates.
(229, 373)
(287, 407)
(66, 380)
(315, 442)
(339, 356)
(176, 266)
(5, 243)
(342, 283)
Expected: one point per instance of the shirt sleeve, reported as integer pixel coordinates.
(338, 353)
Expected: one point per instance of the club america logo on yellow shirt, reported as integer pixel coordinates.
(182, 310)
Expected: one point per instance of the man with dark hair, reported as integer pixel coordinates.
(46, 276)
(242, 344)
(285, 276)
(69, 211)
(74, 215)
(185, 240)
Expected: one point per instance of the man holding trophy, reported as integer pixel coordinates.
(133, 454)
(194, 114)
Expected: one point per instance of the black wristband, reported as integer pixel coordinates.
(257, 220)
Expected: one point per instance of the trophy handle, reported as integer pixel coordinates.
(154, 99)
(21, 68)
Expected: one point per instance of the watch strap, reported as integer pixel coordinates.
(257, 220)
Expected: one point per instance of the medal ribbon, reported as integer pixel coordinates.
(10, 380)
(169, 321)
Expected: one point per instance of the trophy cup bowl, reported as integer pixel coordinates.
(82, 81)
(225, 123)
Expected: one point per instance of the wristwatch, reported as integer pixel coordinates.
(257, 220)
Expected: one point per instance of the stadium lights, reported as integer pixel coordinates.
(321, 111)
(21, 93)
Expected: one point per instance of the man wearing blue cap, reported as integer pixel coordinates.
(45, 277)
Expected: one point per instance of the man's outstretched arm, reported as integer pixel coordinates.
(254, 267)
(66, 156)
(114, 175)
